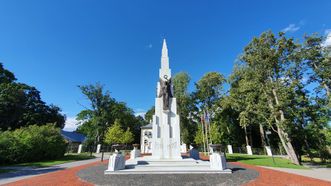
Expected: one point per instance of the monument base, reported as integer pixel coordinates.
(148, 165)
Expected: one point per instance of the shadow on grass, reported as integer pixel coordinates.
(235, 158)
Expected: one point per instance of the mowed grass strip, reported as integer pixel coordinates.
(263, 161)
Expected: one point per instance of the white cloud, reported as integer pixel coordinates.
(142, 114)
(291, 28)
(70, 124)
(327, 41)
(139, 112)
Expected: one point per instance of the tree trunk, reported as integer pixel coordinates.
(250, 136)
(246, 137)
(283, 136)
(286, 141)
(263, 141)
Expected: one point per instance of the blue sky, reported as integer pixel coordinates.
(57, 45)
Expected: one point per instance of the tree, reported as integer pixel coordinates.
(270, 57)
(318, 59)
(6, 76)
(21, 105)
(185, 106)
(209, 90)
(127, 137)
(114, 133)
(149, 114)
(102, 113)
(95, 120)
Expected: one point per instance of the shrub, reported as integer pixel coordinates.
(33, 143)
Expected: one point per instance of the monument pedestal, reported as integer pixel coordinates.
(116, 162)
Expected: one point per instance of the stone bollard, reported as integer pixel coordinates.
(80, 148)
(98, 148)
(116, 162)
(135, 153)
(249, 150)
(217, 159)
(269, 152)
(230, 149)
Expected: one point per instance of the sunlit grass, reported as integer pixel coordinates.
(263, 161)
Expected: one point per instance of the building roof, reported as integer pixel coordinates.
(149, 126)
(73, 136)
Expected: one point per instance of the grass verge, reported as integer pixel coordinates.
(263, 161)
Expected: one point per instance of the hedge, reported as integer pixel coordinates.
(32, 143)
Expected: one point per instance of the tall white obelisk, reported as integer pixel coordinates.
(166, 130)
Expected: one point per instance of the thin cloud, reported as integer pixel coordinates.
(291, 28)
(71, 124)
(140, 112)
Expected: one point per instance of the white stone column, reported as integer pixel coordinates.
(98, 148)
(230, 149)
(80, 148)
(249, 150)
(269, 152)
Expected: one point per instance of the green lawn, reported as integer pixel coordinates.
(66, 159)
(262, 161)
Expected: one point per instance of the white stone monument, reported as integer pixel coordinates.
(166, 148)
(166, 131)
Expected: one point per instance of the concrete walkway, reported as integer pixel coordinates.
(21, 172)
(318, 173)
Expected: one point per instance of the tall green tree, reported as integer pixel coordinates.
(95, 118)
(185, 106)
(21, 105)
(102, 113)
